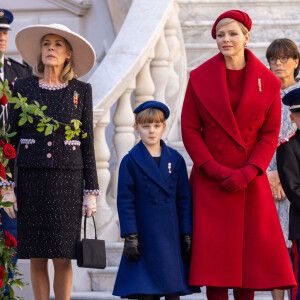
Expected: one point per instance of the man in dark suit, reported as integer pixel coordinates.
(10, 70)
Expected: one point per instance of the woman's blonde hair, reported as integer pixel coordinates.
(150, 115)
(226, 21)
(67, 73)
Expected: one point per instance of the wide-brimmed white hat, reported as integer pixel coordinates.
(28, 44)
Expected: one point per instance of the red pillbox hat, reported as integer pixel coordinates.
(237, 15)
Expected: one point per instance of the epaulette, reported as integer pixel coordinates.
(285, 139)
(10, 61)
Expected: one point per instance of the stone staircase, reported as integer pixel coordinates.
(271, 19)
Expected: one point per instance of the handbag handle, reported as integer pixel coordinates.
(85, 217)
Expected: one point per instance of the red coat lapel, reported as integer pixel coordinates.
(257, 97)
(210, 85)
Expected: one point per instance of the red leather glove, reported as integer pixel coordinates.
(239, 179)
(216, 170)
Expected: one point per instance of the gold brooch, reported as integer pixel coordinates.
(259, 84)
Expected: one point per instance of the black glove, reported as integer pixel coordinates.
(131, 247)
(186, 246)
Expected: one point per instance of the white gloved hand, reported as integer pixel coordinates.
(89, 206)
(9, 196)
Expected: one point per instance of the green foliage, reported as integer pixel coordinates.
(46, 124)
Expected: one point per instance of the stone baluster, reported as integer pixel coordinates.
(159, 68)
(102, 155)
(145, 87)
(174, 51)
(124, 137)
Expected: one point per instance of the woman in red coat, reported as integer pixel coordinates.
(230, 126)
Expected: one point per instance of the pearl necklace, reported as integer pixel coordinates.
(53, 87)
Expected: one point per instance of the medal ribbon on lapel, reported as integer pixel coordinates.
(169, 167)
(75, 99)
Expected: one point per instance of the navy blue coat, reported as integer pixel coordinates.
(157, 205)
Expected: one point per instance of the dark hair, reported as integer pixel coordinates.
(150, 115)
(284, 47)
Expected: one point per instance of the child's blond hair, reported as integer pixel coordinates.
(150, 115)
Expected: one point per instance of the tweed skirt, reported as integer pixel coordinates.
(49, 212)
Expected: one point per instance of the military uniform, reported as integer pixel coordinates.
(288, 165)
(14, 70)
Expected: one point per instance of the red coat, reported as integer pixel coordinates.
(237, 238)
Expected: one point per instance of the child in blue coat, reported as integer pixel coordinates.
(155, 212)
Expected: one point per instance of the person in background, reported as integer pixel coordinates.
(57, 178)
(288, 157)
(230, 126)
(11, 69)
(283, 57)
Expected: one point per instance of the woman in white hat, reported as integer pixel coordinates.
(57, 179)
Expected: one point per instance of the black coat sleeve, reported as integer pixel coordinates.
(289, 173)
(87, 144)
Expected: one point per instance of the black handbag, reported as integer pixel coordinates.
(91, 252)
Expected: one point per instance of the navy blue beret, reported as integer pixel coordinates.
(6, 18)
(292, 99)
(153, 104)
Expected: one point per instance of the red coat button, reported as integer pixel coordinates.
(217, 137)
(246, 139)
(49, 155)
(251, 128)
(49, 143)
(240, 149)
(219, 148)
(213, 125)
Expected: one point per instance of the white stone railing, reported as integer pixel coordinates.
(146, 61)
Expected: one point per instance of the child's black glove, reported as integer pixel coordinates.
(186, 246)
(131, 245)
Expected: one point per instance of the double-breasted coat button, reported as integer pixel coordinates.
(217, 137)
(49, 143)
(251, 128)
(219, 148)
(246, 139)
(241, 149)
(213, 125)
(49, 155)
(258, 117)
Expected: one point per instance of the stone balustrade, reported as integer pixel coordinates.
(147, 61)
